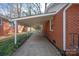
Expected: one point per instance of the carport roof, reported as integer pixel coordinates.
(37, 19)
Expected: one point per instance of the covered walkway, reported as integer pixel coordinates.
(37, 45)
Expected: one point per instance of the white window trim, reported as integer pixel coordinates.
(51, 24)
(1, 22)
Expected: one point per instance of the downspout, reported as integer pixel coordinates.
(64, 27)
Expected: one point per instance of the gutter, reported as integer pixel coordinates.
(64, 27)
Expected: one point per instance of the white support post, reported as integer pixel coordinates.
(15, 40)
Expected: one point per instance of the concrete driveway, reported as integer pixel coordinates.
(37, 45)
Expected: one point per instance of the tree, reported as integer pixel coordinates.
(15, 10)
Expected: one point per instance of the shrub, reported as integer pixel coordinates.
(8, 47)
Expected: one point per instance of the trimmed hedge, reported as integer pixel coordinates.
(7, 47)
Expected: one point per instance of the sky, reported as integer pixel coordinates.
(43, 7)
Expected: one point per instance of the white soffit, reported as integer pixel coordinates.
(37, 19)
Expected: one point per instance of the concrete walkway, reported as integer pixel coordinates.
(37, 45)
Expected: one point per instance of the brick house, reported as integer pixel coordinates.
(5, 26)
(63, 28)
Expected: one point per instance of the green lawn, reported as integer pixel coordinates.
(7, 47)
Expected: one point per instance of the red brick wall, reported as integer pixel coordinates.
(72, 23)
(5, 28)
(57, 33)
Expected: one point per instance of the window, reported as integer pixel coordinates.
(0, 21)
(51, 25)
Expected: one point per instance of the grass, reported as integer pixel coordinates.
(7, 47)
